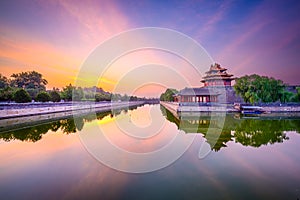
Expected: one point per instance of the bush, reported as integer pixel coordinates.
(255, 88)
(33, 92)
(21, 96)
(102, 97)
(43, 97)
(6, 94)
(168, 95)
(54, 96)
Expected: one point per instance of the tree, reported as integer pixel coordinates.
(72, 93)
(3, 82)
(296, 97)
(133, 98)
(102, 97)
(33, 92)
(286, 96)
(125, 98)
(68, 92)
(77, 94)
(21, 96)
(43, 97)
(116, 97)
(29, 80)
(54, 96)
(6, 94)
(168, 95)
(255, 88)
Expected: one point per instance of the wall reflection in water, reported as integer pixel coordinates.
(35, 132)
(248, 131)
(252, 131)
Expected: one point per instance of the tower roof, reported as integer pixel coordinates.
(216, 67)
(216, 72)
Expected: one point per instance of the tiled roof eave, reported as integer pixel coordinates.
(219, 69)
(218, 75)
(201, 94)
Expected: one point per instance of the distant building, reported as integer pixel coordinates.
(217, 88)
(217, 76)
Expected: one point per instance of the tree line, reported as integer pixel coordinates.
(27, 86)
(168, 95)
(263, 89)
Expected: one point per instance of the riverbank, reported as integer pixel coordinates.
(28, 114)
(175, 107)
(24, 110)
(192, 107)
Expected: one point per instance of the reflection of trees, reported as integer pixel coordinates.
(67, 126)
(34, 133)
(31, 134)
(261, 132)
(55, 126)
(104, 114)
(217, 141)
(249, 132)
(217, 137)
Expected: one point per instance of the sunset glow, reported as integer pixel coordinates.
(55, 37)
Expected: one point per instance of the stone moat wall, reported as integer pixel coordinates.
(33, 109)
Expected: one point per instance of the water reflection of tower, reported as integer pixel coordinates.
(201, 124)
(253, 132)
(204, 123)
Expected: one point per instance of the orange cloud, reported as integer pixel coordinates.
(22, 50)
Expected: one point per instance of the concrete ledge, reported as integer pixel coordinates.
(86, 107)
(281, 108)
(175, 107)
(203, 109)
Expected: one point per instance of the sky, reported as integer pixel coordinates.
(55, 38)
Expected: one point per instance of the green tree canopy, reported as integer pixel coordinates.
(21, 96)
(70, 92)
(29, 80)
(296, 97)
(168, 95)
(33, 92)
(3, 82)
(255, 88)
(54, 96)
(78, 94)
(102, 97)
(43, 97)
(6, 94)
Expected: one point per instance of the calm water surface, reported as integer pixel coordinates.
(252, 158)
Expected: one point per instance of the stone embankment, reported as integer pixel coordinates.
(281, 108)
(171, 106)
(175, 107)
(24, 110)
(16, 116)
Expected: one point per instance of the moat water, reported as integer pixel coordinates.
(249, 157)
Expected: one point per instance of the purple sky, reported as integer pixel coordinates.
(54, 37)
